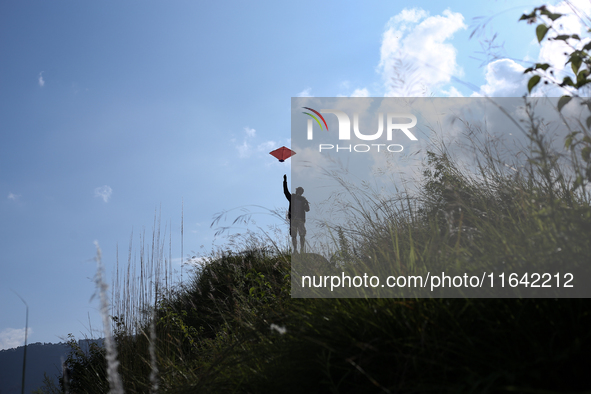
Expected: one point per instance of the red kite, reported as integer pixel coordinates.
(282, 153)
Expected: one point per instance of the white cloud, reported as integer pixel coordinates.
(504, 78)
(13, 197)
(413, 16)
(360, 93)
(452, 92)
(13, 337)
(267, 146)
(103, 192)
(41, 80)
(415, 56)
(305, 93)
(246, 149)
(243, 150)
(249, 132)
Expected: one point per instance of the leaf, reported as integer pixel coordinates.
(543, 66)
(563, 101)
(567, 81)
(586, 153)
(582, 78)
(541, 31)
(567, 142)
(553, 16)
(531, 15)
(529, 69)
(589, 122)
(533, 81)
(576, 61)
(587, 139)
(562, 37)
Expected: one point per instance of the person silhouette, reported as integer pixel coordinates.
(297, 221)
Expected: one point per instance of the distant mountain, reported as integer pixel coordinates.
(41, 358)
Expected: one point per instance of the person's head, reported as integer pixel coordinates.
(299, 191)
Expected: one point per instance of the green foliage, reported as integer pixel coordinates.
(576, 57)
(579, 143)
(49, 386)
(87, 369)
(216, 334)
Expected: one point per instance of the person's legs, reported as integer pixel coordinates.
(293, 231)
(302, 231)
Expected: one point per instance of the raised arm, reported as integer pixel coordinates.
(285, 189)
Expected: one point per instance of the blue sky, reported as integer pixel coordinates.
(112, 110)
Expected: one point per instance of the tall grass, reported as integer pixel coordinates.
(139, 286)
(113, 377)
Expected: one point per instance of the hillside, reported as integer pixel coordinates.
(234, 327)
(41, 358)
